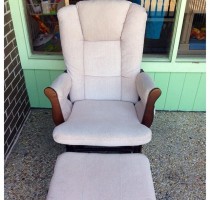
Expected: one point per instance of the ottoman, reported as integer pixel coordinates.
(91, 176)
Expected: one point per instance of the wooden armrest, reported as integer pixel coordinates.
(149, 109)
(56, 109)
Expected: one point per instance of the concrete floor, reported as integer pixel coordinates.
(176, 153)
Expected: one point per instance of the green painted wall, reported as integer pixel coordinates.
(180, 91)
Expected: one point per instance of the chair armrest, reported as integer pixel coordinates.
(148, 94)
(58, 95)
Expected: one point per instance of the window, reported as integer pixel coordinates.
(161, 16)
(43, 25)
(193, 37)
(44, 30)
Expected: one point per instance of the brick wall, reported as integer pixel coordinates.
(16, 102)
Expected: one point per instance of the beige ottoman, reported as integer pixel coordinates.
(90, 176)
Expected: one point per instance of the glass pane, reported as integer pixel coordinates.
(161, 16)
(193, 37)
(43, 26)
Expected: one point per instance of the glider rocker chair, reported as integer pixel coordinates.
(103, 100)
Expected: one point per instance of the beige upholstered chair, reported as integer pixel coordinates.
(103, 99)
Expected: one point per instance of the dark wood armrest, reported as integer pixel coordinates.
(149, 109)
(56, 109)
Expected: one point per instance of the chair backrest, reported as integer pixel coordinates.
(102, 43)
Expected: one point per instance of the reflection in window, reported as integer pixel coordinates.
(193, 37)
(161, 15)
(43, 25)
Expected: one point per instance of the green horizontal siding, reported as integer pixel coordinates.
(161, 81)
(31, 85)
(200, 99)
(36, 81)
(174, 92)
(189, 91)
(180, 91)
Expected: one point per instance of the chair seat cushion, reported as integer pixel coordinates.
(102, 123)
(79, 176)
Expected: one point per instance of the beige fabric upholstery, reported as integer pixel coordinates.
(96, 62)
(72, 48)
(103, 51)
(140, 108)
(102, 123)
(102, 20)
(144, 85)
(132, 42)
(102, 75)
(107, 88)
(100, 46)
(62, 86)
(79, 176)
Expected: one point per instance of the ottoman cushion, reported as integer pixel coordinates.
(85, 176)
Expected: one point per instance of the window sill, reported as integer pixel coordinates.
(191, 58)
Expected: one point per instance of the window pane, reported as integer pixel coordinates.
(193, 37)
(44, 30)
(43, 26)
(161, 16)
